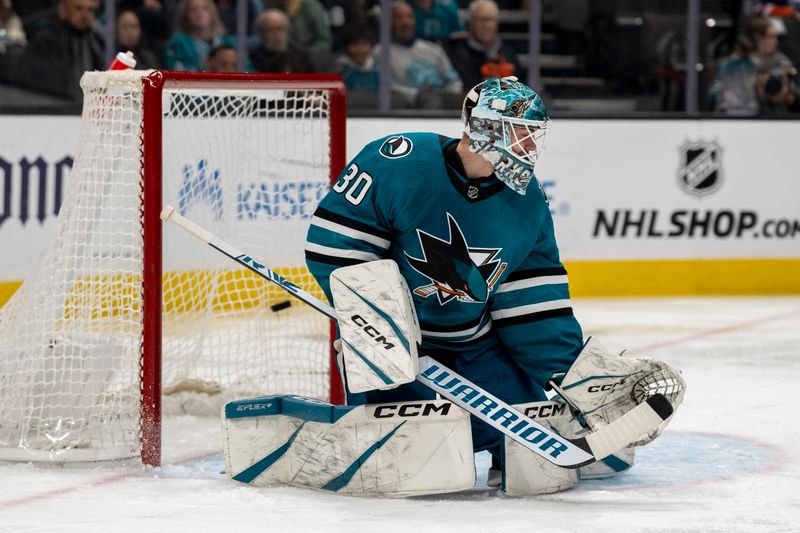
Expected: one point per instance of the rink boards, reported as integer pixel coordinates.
(641, 207)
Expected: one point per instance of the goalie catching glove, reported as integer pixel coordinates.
(603, 386)
(378, 326)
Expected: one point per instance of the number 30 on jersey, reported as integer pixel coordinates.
(356, 184)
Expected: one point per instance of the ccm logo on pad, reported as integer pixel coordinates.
(371, 331)
(411, 409)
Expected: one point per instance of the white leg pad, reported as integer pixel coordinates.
(527, 474)
(390, 450)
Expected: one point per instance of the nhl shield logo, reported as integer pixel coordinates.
(397, 146)
(700, 171)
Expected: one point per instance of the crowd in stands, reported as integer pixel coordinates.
(438, 49)
(65, 38)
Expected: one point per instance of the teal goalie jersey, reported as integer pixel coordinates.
(480, 260)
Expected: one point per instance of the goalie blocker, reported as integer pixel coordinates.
(390, 450)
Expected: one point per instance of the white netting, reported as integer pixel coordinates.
(247, 162)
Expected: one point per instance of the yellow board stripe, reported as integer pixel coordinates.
(701, 277)
(108, 296)
(698, 277)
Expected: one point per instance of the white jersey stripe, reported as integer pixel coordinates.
(338, 252)
(349, 232)
(530, 309)
(531, 282)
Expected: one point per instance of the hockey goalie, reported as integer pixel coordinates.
(449, 243)
(417, 444)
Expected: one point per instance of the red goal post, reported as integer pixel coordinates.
(122, 313)
(152, 170)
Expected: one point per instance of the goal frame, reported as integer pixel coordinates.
(151, 158)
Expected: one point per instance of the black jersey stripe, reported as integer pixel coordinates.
(438, 328)
(350, 223)
(536, 273)
(332, 260)
(532, 317)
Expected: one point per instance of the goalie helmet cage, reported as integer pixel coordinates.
(121, 307)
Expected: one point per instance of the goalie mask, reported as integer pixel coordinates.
(506, 123)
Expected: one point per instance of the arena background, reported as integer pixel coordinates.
(641, 207)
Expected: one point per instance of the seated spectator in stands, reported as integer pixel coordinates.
(421, 72)
(438, 20)
(776, 76)
(227, 13)
(12, 41)
(199, 30)
(222, 59)
(482, 54)
(129, 38)
(59, 54)
(309, 30)
(757, 77)
(275, 52)
(356, 65)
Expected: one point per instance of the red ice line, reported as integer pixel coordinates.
(93, 484)
(717, 331)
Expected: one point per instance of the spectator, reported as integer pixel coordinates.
(438, 20)
(275, 53)
(756, 78)
(482, 54)
(421, 72)
(356, 65)
(199, 30)
(222, 59)
(12, 40)
(59, 54)
(309, 30)
(734, 91)
(129, 38)
(776, 76)
(11, 32)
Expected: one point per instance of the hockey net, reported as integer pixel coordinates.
(117, 308)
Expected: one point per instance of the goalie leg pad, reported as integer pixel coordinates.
(527, 474)
(378, 326)
(391, 450)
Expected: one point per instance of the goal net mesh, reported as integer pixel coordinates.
(247, 162)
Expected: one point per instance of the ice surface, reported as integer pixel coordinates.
(726, 463)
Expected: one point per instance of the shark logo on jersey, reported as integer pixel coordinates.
(456, 270)
(397, 146)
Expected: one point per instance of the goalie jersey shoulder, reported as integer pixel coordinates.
(404, 160)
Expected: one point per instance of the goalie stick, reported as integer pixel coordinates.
(567, 453)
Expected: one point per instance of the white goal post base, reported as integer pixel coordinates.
(116, 307)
